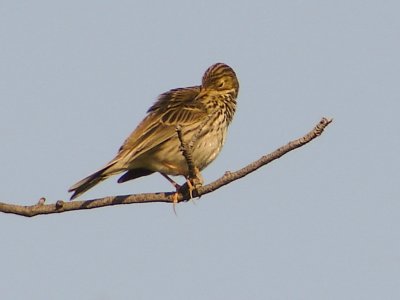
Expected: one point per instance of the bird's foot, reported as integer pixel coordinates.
(175, 201)
(195, 182)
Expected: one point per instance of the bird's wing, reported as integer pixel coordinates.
(175, 107)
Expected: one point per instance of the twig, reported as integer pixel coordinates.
(61, 206)
(186, 152)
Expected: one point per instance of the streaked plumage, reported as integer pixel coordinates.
(204, 111)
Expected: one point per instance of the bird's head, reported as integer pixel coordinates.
(220, 77)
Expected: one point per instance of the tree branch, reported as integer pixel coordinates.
(63, 206)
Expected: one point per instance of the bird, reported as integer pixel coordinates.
(200, 113)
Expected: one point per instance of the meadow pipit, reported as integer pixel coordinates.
(202, 113)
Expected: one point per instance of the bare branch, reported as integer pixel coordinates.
(63, 206)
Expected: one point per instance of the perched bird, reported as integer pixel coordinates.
(202, 113)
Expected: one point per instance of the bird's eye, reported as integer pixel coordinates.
(221, 84)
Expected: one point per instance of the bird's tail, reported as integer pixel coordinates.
(87, 183)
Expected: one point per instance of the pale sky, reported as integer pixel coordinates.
(322, 222)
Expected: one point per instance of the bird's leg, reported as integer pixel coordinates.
(176, 186)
